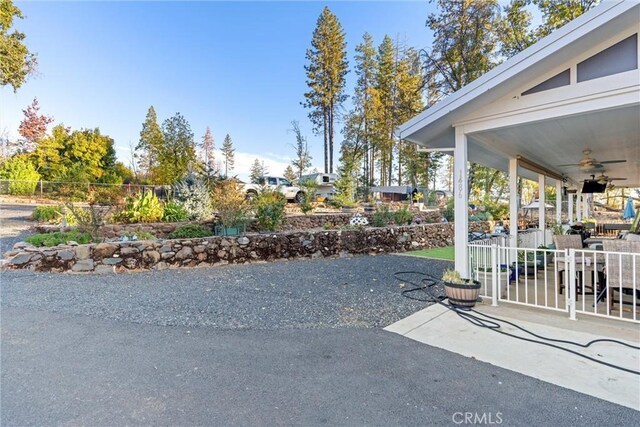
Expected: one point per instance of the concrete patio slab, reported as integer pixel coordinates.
(440, 327)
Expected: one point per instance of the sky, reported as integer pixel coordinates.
(237, 67)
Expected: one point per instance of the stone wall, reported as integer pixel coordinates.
(291, 223)
(211, 251)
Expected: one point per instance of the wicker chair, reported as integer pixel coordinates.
(619, 269)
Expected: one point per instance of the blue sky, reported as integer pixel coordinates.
(234, 66)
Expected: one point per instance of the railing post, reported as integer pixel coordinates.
(571, 283)
(494, 275)
(40, 188)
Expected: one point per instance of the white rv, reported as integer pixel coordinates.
(324, 181)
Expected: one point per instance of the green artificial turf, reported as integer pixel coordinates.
(447, 253)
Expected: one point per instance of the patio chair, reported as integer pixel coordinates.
(620, 269)
(568, 241)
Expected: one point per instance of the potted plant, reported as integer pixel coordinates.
(460, 292)
(417, 199)
(229, 201)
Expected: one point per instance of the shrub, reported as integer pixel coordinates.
(106, 195)
(497, 210)
(309, 188)
(24, 177)
(47, 214)
(402, 216)
(143, 207)
(174, 212)
(448, 212)
(194, 196)
(57, 238)
(481, 216)
(229, 201)
(381, 217)
(269, 207)
(190, 231)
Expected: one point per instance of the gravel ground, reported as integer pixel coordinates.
(327, 293)
(14, 224)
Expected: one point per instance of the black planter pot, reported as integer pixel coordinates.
(463, 295)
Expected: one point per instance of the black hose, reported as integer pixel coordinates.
(428, 283)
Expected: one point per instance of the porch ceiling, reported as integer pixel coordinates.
(610, 135)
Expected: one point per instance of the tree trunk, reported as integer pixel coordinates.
(326, 142)
(331, 137)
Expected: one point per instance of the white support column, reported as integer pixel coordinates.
(579, 207)
(513, 202)
(558, 201)
(570, 203)
(542, 209)
(461, 204)
(585, 205)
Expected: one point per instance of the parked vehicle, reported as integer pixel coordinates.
(290, 191)
(324, 182)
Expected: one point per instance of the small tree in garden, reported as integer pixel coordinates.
(269, 208)
(22, 174)
(229, 201)
(193, 194)
(290, 174)
(309, 188)
(258, 171)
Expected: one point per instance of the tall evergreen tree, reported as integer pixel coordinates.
(302, 160)
(326, 71)
(177, 154)
(228, 153)
(364, 103)
(150, 144)
(257, 172)
(289, 173)
(208, 153)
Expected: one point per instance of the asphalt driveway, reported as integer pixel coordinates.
(287, 343)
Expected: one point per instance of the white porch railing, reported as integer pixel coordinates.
(605, 284)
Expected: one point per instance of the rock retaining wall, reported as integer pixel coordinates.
(162, 254)
(291, 223)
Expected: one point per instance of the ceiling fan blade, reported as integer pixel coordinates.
(612, 161)
(616, 179)
(572, 164)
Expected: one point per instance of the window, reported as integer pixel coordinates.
(272, 181)
(285, 182)
(621, 57)
(562, 79)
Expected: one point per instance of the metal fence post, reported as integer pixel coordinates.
(571, 283)
(495, 266)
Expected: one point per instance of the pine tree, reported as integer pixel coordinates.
(177, 155)
(257, 172)
(150, 144)
(326, 70)
(302, 161)
(228, 155)
(208, 153)
(364, 104)
(290, 174)
(33, 127)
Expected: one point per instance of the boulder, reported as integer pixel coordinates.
(129, 251)
(104, 250)
(66, 255)
(83, 251)
(83, 265)
(112, 261)
(21, 259)
(185, 253)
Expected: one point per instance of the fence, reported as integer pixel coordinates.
(540, 278)
(58, 189)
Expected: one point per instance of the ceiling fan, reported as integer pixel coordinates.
(589, 164)
(603, 179)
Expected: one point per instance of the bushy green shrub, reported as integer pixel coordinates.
(194, 196)
(381, 217)
(402, 216)
(497, 210)
(269, 208)
(57, 238)
(190, 231)
(308, 188)
(143, 207)
(449, 212)
(47, 214)
(23, 175)
(481, 216)
(174, 212)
